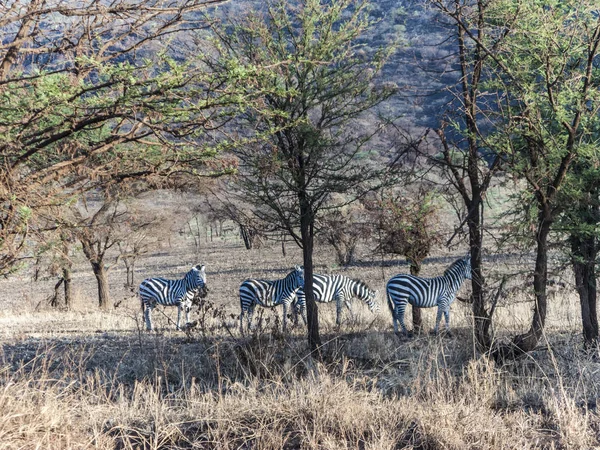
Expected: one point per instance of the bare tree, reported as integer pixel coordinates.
(343, 228)
(143, 227)
(407, 226)
(55, 257)
(96, 230)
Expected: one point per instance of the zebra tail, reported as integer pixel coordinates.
(389, 301)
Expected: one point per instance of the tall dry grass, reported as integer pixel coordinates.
(90, 379)
(134, 390)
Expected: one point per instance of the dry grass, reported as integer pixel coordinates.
(90, 379)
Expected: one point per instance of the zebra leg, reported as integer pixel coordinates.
(242, 322)
(295, 313)
(338, 310)
(299, 311)
(148, 317)
(187, 314)
(447, 318)
(179, 307)
(401, 308)
(438, 319)
(284, 317)
(249, 313)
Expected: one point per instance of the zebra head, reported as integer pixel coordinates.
(460, 268)
(196, 279)
(298, 275)
(467, 269)
(373, 301)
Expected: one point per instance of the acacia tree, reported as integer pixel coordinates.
(343, 228)
(547, 72)
(538, 60)
(315, 79)
(581, 220)
(138, 233)
(466, 158)
(59, 248)
(81, 81)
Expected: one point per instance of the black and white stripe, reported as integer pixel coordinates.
(427, 292)
(178, 293)
(338, 288)
(269, 293)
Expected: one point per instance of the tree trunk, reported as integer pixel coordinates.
(482, 321)
(54, 297)
(527, 342)
(283, 252)
(67, 277)
(312, 312)
(129, 267)
(584, 251)
(246, 236)
(102, 280)
(415, 269)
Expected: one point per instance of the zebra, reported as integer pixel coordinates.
(269, 293)
(178, 293)
(340, 288)
(427, 293)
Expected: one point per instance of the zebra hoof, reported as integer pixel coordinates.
(403, 336)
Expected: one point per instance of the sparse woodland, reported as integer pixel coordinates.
(365, 138)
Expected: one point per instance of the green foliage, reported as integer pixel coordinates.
(548, 110)
(302, 75)
(116, 105)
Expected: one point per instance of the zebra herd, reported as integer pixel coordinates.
(288, 291)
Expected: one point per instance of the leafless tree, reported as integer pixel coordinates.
(96, 230)
(343, 228)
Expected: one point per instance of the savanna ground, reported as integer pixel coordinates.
(89, 379)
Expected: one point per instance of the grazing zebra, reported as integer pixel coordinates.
(178, 293)
(340, 288)
(427, 293)
(269, 294)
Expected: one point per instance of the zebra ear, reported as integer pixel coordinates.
(200, 267)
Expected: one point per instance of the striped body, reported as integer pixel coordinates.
(427, 292)
(269, 293)
(338, 288)
(180, 293)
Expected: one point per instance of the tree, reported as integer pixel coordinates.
(138, 233)
(80, 82)
(58, 247)
(95, 228)
(466, 159)
(316, 79)
(581, 221)
(546, 70)
(343, 228)
(406, 226)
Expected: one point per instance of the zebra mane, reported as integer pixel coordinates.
(361, 283)
(453, 266)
